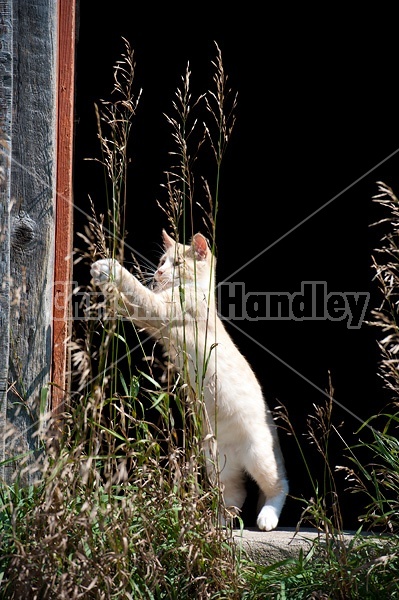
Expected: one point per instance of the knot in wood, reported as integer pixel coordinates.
(23, 231)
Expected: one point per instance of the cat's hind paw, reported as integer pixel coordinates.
(105, 272)
(267, 518)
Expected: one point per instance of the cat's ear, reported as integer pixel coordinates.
(168, 242)
(200, 246)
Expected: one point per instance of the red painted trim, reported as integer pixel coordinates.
(64, 202)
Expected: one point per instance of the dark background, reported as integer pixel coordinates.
(317, 112)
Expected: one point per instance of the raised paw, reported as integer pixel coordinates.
(105, 272)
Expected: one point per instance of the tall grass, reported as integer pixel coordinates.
(123, 509)
(367, 564)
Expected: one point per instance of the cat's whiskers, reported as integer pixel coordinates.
(162, 284)
(147, 276)
(145, 270)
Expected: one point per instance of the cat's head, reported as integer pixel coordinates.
(184, 264)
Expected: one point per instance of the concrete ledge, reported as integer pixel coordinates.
(268, 547)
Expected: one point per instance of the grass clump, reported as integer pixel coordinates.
(364, 566)
(122, 508)
(110, 525)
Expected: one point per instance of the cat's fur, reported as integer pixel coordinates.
(192, 334)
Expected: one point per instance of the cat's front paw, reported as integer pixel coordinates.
(267, 518)
(106, 272)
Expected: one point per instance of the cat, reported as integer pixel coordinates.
(180, 311)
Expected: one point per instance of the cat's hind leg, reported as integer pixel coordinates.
(268, 471)
(232, 480)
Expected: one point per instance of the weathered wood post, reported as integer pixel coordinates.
(5, 197)
(28, 208)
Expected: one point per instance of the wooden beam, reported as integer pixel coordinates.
(64, 203)
(5, 195)
(31, 205)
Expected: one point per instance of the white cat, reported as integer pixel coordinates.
(180, 311)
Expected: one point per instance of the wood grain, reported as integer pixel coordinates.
(5, 194)
(64, 203)
(29, 201)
